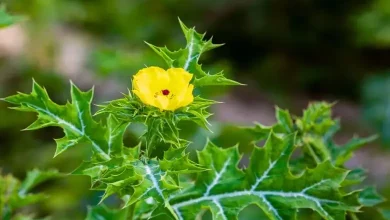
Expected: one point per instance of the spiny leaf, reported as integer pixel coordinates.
(156, 183)
(75, 119)
(267, 182)
(96, 169)
(316, 118)
(355, 176)
(217, 79)
(259, 131)
(133, 179)
(285, 120)
(188, 58)
(126, 109)
(316, 129)
(114, 134)
(177, 161)
(343, 153)
(370, 197)
(197, 112)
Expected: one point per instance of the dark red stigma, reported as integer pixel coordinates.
(165, 92)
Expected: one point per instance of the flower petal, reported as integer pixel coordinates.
(149, 82)
(144, 98)
(188, 97)
(162, 102)
(179, 74)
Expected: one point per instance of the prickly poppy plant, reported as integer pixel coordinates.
(313, 184)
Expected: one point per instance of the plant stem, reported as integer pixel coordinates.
(313, 154)
(130, 212)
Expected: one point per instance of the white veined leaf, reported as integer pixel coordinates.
(75, 119)
(267, 182)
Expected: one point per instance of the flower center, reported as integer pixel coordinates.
(165, 92)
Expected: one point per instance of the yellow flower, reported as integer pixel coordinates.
(166, 90)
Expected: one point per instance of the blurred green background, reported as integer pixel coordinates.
(287, 52)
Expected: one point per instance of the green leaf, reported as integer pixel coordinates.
(6, 19)
(104, 213)
(316, 118)
(114, 135)
(126, 109)
(343, 153)
(144, 209)
(36, 177)
(217, 79)
(285, 120)
(75, 119)
(155, 183)
(15, 194)
(25, 200)
(315, 148)
(177, 161)
(259, 131)
(355, 176)
(316, 129)
(370, 197)
(267, 182)
(197, 112)
(188, 58)
(134, 180)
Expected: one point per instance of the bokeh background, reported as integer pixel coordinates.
(287, 52)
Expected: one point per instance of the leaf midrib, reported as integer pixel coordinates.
(71, 126)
